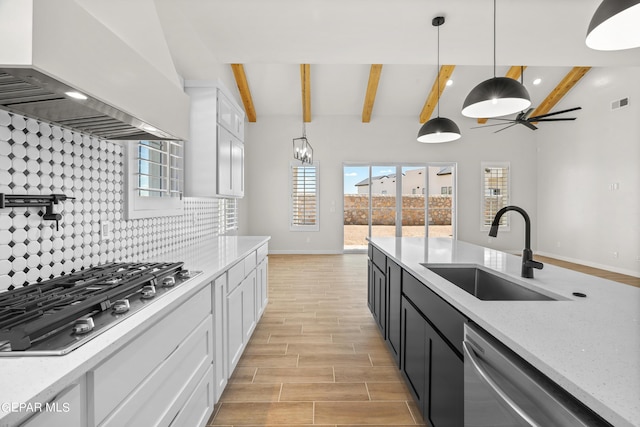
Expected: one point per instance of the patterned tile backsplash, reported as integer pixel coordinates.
(40, 158)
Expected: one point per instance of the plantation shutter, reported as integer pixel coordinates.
(304, 197)
(495, 180)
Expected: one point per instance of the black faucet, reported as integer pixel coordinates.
(528, 264)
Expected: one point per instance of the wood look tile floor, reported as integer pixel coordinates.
(316, 356)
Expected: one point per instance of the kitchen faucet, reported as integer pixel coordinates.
(528, 264)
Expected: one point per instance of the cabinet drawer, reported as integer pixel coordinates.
(262, 252)
(161, 395)
(66, 409)
(235, 276)
(445, 318)
(119, 375)
(199, 407)
(249, 263)
(379, 258)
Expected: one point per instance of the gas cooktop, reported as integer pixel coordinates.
(56, 316)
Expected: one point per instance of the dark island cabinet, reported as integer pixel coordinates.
(432, 369)
(424, 335)
(394, 303)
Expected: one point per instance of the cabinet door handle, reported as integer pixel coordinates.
(495, 388)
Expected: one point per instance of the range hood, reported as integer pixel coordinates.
(50, 48)
(33, 94)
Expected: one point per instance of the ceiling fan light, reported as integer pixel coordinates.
(498, 96)
(614, 25)
(439, 129)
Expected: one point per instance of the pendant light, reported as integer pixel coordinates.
(302, 150)
(439, 129)
(615, 25)
(499, 96)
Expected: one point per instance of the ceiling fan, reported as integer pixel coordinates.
(522, 119)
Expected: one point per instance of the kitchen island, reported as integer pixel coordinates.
(68, 383)
(590, 346)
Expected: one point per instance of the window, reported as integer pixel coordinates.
(446, 190)
(154, 178)
(495, 192)
(304, 197)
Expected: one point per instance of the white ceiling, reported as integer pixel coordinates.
(341, 38)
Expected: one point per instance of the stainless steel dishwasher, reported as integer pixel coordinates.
(502, 390)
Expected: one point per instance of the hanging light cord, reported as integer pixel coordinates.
(304, 130)
(438, 70)
(494, 38)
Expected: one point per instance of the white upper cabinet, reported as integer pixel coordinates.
(214, 156)
(230, 117)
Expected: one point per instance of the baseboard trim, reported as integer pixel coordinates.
(303, 252)
(590, 264)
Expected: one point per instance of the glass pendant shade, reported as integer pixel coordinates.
(615, 25)
(438, 130)
(498, 96)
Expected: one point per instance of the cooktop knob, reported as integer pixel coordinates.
(168, 282)
(184, 274)
(82, 326)
(148, 291)
(121, 306)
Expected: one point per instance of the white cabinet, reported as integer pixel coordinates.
(235, 335)
(67, 409)
(220, 345)
(262, 289)
(150, 380)
(248, 306)
(230, 116)
(214, 154)
(230, 164)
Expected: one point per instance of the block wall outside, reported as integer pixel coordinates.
(356, 209)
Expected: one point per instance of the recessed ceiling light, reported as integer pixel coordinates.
(449, 82)
(537, 81)
(75, 95)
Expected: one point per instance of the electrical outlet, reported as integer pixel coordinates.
(105, 230)
(615, 254)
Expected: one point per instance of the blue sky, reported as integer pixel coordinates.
(355, 174)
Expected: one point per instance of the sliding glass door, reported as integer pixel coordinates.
(397, 201)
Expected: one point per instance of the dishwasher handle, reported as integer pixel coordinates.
(513, 406)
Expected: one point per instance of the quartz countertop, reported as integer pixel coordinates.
(589, 346)
(40, 378)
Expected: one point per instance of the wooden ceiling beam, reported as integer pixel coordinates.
(565, 85)
(245, 93)
(432, 100)
(372, 89)
(514, 73)
(305, 79)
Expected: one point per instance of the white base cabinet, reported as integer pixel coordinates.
(67, 409)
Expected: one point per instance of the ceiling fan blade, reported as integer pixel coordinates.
(486, 126)
(507, 127)
(528, 112)
(529, 125)
(556, 120)
(533, 119)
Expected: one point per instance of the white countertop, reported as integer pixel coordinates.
(38, 379)
(589, 346)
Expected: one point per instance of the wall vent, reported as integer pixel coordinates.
(620, 103)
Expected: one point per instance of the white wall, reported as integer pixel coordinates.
(338, 139)
(579, 218)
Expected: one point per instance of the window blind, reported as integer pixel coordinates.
(495, 193)
(304, 197)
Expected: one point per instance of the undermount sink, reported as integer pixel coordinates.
(484, 285)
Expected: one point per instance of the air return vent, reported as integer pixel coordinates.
(619, 103)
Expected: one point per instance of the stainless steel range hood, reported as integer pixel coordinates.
(34, 94)
(49, 48)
